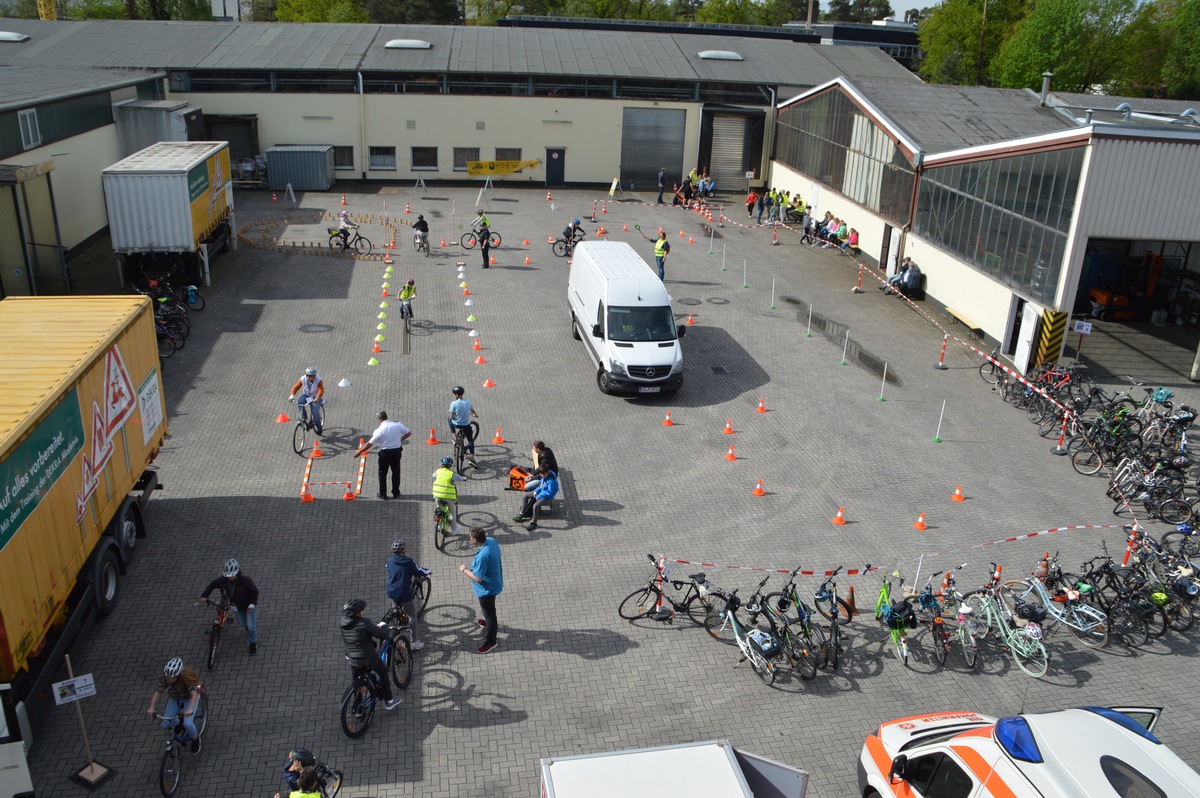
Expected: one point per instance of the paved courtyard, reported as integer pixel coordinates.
(569, 676)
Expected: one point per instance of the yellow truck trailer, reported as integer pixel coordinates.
(81, 421)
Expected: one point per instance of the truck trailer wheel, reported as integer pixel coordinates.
(127, 531)
(107, 581)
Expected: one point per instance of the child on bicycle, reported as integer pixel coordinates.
(406, 294)
(182, 687)
(358, 641)
(308, 785)
(445, 489)
(461, 412)
(401, 571)
(344, 228)
(421, 228)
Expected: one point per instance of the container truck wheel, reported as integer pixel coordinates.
(127, 534)
(107, 578)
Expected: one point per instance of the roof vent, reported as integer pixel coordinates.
(1126, 109)
(9, 36)
(408, 44)
(719, 55)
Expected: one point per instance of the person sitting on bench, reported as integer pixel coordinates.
(547, 489)
(541, 453)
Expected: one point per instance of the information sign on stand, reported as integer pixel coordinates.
(1083, 328)
(69, 691)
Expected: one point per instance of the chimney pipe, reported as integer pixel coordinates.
(1046, 86)
(811, 13)
(1087, 117)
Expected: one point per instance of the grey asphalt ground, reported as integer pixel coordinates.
(569, 676)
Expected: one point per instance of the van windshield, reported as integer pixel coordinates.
(641, 324)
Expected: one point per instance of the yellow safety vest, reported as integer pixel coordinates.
(660, 248)
(443, 485)
(407, 291)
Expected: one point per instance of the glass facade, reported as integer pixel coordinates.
(829, 139)
(1006, 217)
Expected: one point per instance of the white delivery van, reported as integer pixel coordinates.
(622, 313)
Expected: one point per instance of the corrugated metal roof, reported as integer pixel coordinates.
(1104, 102)
(168, 157)
(23, 86)
(37, 367)
(300, 148)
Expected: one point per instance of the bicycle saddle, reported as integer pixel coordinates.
(697, 578)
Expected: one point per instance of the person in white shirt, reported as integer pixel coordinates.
(311, 390)
(390, 437)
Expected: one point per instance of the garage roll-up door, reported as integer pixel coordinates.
(730, 134)
(652, 138)
(240, 131)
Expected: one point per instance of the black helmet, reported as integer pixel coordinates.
(458, 390)
(397, 545)
(304, 757)
(353, 607)
(420, 217)
(412, 281)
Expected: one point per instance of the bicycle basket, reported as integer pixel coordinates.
(902, 616)
(763, 642)
(1034, 613)
(332, 230)
(1163, 394)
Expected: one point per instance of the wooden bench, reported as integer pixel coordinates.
(976, 331)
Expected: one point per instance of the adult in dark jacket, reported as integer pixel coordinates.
(358, 639)
(401, 571)
(240, 592)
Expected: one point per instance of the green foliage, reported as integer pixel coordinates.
(320, 11)
(858, 10)
(958, 44)
(729, 12)
(97, 9)
(1181, 68)
(412, 12)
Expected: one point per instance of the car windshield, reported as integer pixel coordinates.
(641, 324)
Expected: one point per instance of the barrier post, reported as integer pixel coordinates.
(937, 436)
(721, 217)
(941, 364)
(880, 398)
(808, 332)
(857, 289)
(1061, 450)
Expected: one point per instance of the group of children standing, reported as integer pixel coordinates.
(780, 206)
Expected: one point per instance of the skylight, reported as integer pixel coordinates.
(720, 55)
(408, 44)
(9, 36)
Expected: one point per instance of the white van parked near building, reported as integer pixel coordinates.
(622, 313)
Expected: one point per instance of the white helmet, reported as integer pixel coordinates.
(346, 214)
(232, 567)
(310, 371)
(173, 668)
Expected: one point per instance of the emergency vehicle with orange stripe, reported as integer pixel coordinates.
(1087, 752)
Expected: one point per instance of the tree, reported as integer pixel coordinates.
(728, 12)
(1181, 67)
(97, 9)
(319, 11)
(412, 12)
(260, 11)
(958, 41)
(864, 11)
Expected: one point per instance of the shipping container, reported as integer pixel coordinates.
(141, 123)
(304, 167)
(82, 419)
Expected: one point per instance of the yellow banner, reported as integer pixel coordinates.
(206, 187)
(477, 168)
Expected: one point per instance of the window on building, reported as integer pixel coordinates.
(462, 155)
(343, 157)
(508, 153)
(31, 135)
(425, 159)
(382, 158)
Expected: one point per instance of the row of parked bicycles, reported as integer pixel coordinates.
(1137, 438)
(1150, 592)
(172, 312)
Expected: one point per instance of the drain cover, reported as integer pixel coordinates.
(315, 328)
(687, 301)
(718, 369)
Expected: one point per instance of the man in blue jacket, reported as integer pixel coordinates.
(547, 489)
(401, 570)
(487, 574)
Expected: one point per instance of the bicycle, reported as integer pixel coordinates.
(896, 616)
(329, 781)
(400, 625)
(955, 603)
(929, 604)
(469, 240)
(359, 700)
(991, 370)
(442, 523)
(756, 645)
(1065, 606)
(223, 612)
(170, 771)
(1129, 613)
(1024, 641)
(303, 425)
(460, 445)
(563, 247)
(800, 655)
(811, 635)
(356, 242)
(699, 600)
(832, 607)
(421, 243)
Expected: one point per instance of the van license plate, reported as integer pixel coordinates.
(649, 389)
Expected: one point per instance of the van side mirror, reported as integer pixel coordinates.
(899, 767)
(597, 332)
(681, 330)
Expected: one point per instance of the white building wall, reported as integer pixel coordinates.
(870, 226)
(955, 285)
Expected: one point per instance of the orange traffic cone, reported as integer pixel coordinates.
(758, 489)
(344, 200)
(305, 494)
(433, 441)
(691, 240)
(548, 197)
(387, 257)
(690, 319)
(604, 207)
(850, 600)
(479, 361)
(384, 293)
(728, 426)
(476, 346)
(376, 349)
(499, 438)
(549, 239)
(667, 422)
(840, 518)
(466, 292)
(528, 260)
(920, 525)
(660, 229)
(488, 383)
(273, 197)
(682, 234)
(525, 243)
(730, 455)
(282, 418)
(958, 495)
(625, 228)
(406, 208)
(443, 241)
(762, 408)
(349, 495)
(491, 260)
(316, 452)
(601, 231)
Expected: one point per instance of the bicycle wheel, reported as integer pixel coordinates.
(362, 246)
(422, 587)
(1030, 655)
(639, 604)
(331, 782)
(970, 647)
(177, 328)
(833, 649)
(1088, 624)
(990, 372)
(214, 644)
(718, 629)
(194, 300)
(468, 241)
(358, 708)
(1174, 511)
(699, 606)
(560, 248)
(1087, 461)
(812, 636)
(400, 662)
(900, 644)
(1182, 544)
(762, 666)
(1037, 409)
(494, 240)
(806, 658)
(417, 243)
(441, 527)
(298, 435)
(941, 642)
(1179, 614)
(166, 345)
(460, 454)
(336, 244)
(171, 770)
(1128, 625)
(825, 607)
(977, 623)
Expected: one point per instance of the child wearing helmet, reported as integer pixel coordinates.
(406, 294)
(345, 226)
(573, 233)
(421, 231)
(481, 221)
(401, 571)
(242, 595)
(182, 687)
(358, 642)
(299, 760)
(311, 390)
(445, 489)
(460, 414)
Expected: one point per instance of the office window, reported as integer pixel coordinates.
(31, 135)
(343, 157)
(462, 155)
(425, 159)
(508, 153)
(382, 158)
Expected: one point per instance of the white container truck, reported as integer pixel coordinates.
(711, 769)
(170, 206)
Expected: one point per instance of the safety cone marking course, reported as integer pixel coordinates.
(691, 240)
(443, 241)
(758, 489)
(853, 604)
(316, 452)
(549, 239)
(305, 494)
(488, 383)
(690, 319)
(479, 361)
(660, 229)
(528, 260)
(667, 422)
(728, 426)
(602, 231)
(349, 495)
(624, 228)
(762, 407)
(730, 455)
(840, 518)
(920, 525)
(525, 243)
(372, 362)
(548, 197)
(377, 348)
(273, 197)
(476, 346)
(958, 495)
(387, 258)
(433, 441)
(499, 438)
(344, 200)
(491, 260)
(406, 208)
(282, 418)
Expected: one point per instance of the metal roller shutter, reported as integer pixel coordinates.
(729, 135)
(242, 135)
(652, 138)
